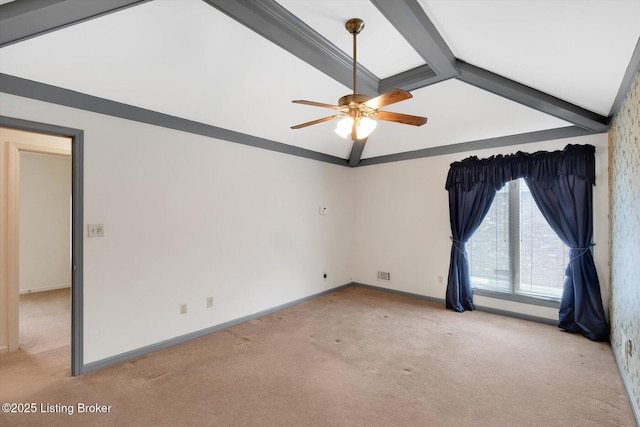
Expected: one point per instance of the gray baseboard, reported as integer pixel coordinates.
(395, 291)
(632, 402)
(478, 307)
(517, 315)
(123, 357)
(142, 351)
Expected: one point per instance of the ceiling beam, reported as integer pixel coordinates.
(408, 17)
(278, 25)
(415, 78)
(629, 77)
(480, 144)
(356, 152)
(530, 97)
(56, 95)
(24, 19)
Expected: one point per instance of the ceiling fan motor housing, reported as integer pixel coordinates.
(354, 102)
(352, 98)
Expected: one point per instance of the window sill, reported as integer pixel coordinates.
(544, 302)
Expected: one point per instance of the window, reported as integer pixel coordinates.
(515, 253)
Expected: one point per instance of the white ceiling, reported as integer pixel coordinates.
(187, 59)
(575, 50)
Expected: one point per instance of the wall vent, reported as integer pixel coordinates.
(384, 275)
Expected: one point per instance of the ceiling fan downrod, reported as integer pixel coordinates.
(354, 26)
(354, 100)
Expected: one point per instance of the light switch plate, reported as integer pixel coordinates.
(95, 230)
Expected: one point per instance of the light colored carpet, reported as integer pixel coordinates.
(45, 320)
(356, 357)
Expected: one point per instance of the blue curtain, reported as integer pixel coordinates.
(561, 183)
(568, 206)
(467, 209)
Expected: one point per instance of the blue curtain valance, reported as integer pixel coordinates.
(542, 167)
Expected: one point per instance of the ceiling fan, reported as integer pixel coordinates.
(359, 112)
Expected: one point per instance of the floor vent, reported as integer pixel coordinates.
(384, 275)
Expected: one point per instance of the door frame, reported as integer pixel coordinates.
(77, 229)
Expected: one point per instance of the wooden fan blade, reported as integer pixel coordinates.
(316, 104)
(401, 118)
(315, 122)
(388, 98)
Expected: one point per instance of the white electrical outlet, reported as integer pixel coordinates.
(440, 279)
(183, 308)
(624, 347)
(209, 302)
(323, 210)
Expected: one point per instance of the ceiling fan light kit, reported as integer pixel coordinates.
(364, 127)
(357, 111)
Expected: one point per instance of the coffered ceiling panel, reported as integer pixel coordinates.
(575, 50)
(483, 115)
(381, 48)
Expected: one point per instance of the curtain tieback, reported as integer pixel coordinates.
(582, 251)
(456, 244)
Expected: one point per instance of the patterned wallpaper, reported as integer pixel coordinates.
(624, 210)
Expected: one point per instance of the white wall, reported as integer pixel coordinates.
(188, 217)
(45, 219)
(402, 223)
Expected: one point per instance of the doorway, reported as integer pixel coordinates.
(44, 277)
(19, 138)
